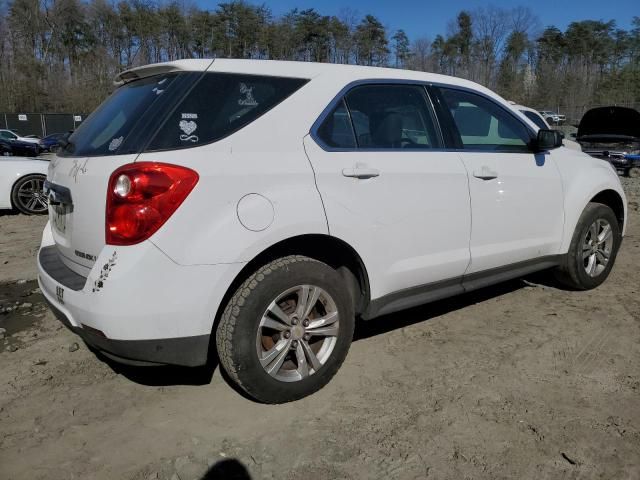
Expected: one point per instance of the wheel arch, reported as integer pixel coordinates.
(613, 200)
(325, 248)
(585, 180)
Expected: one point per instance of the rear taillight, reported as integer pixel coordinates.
(141, 197)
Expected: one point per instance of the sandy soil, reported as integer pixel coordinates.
(518, 381)
(20, 237)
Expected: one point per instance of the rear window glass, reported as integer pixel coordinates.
(105, 131)
(219, 105)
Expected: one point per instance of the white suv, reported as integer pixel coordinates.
(267, 205)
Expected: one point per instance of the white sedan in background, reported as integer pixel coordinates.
(11, 135)
(21, 184)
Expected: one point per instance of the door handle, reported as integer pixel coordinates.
(361, 172)
(485, 173)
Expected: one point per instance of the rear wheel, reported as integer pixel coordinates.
(286, 330)
(28, 195)
(634, 172)
(593, 248)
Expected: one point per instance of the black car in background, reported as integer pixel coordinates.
(613, 134)
(19, 148)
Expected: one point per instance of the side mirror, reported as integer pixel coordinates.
(547, 140)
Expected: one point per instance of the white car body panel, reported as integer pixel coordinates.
(517, 216)
(410, 225)
(84, 230)
(583, 177)
(184, 298)
(425, 219)
(14, 168)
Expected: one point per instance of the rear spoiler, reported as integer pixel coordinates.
(162, 68)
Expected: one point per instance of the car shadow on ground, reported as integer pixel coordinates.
(9, 213)
(164, 375)
(393, 321)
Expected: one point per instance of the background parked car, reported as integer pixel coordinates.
(632, 166)
(19, 148)
(613, 134)
(553, 118)
(11, 135)
(51, 142)
(21, 184)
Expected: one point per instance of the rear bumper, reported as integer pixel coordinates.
(186, 351)
(136, 305)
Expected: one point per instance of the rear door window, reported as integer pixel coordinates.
(219, 105)
(336, 130)
(392, 117)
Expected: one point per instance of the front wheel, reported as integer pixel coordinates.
(634, 172)
(286, 330)
(593, 249)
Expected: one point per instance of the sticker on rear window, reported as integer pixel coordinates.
(188, 126)
(115, 143)
(248, 100)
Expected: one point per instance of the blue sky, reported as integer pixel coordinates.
(428, 18)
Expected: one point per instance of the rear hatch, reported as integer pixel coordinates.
(164, 111)
(112, 136)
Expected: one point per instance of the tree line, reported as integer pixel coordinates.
(61, 55)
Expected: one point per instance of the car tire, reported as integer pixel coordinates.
(27, 195)
(634, 172)
(597, 238)
(249, 348)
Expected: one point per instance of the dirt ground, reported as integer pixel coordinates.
(520, 381)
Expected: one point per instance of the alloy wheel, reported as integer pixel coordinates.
(297, 333)
(597, 247)
(32, 197)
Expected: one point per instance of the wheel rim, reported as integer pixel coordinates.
(31, 195)
(297, 333)
(597, 247)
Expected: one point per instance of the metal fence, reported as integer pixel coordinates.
(40, 124)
